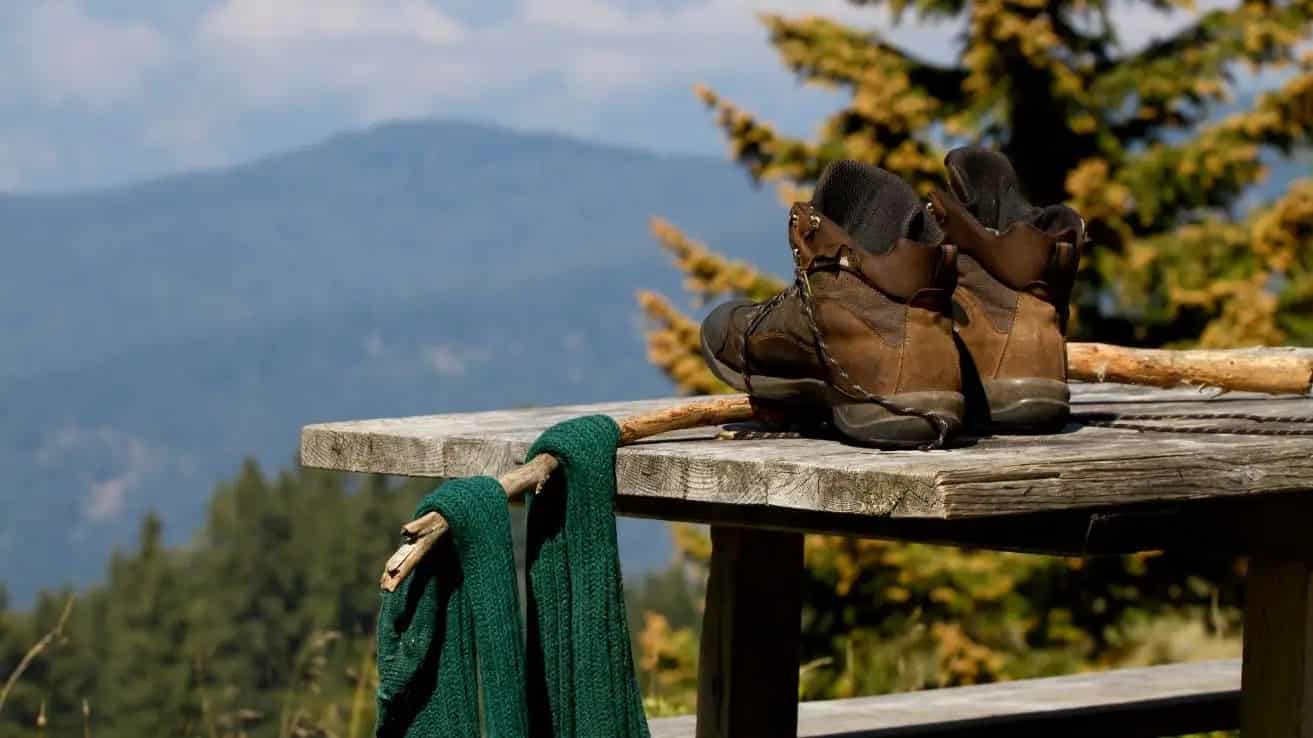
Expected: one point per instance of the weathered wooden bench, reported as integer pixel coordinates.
(1087, 490)
(1126, 703)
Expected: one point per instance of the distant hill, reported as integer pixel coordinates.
(157, 334)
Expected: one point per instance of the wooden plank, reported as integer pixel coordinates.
(748, 661)
(1276, 524)
(1278, 669)
(1081, 467)
(1127, 703)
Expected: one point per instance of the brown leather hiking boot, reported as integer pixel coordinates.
(1016, 267)
(865, 332)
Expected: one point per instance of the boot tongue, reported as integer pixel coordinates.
(988, 186)
(875, 207)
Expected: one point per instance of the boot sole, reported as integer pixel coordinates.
(1029, 405)
(867, 423)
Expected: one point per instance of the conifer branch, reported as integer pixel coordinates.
(888, 118)
(766, 154)
(822, 51)
(673, 345)
(1173, 79)
(924, 8)
(1210, 170)
(709, 274)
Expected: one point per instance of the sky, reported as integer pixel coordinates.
(101, 92)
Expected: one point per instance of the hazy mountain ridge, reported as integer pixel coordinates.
(161, 332)
(356, 215)
(158, 333)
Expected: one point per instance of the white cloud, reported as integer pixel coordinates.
(400, 57)
(250, 76)
(70, 55)
(106, 498)
(128, 460)
(451, 361)
(381, 54)
(291, 21)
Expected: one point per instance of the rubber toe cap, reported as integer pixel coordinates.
(720, 324)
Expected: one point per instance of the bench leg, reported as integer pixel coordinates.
(748, 661)
(1277, 682)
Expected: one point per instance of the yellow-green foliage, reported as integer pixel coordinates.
(881, 616)
(1134, 141)
(1138, 144)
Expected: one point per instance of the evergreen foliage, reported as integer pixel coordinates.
(1141, 143)
(884, 617)
(262, 627)
(1151, 148)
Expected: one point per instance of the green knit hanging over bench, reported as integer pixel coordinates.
(449, 638)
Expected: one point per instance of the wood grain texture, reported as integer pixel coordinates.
(1254, 370)
(1126, 703)
(1080, 467)
(748, 659)
(1278, 666)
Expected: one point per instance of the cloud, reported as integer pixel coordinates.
(405, 56)
(69, 55)
(106, 498)
(117, 463)
(248, 77)
(451, 361)
(557, 64)
(276, 52)
(246, 22)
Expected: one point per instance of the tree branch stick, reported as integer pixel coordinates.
(1279, 371)
(35, 651)
(421, 533)
(1272, 370)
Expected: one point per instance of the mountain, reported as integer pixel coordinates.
(157, 334)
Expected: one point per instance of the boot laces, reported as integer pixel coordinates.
(1140, 422)
(850, 388)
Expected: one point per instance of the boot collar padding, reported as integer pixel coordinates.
(1020, 256)
(900, 272)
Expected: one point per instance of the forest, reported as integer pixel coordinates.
(263, 625)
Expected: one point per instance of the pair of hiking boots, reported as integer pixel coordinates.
(909, 318)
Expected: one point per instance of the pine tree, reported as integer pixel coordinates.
(144, 673)
(1139, 143)
(1150, 146)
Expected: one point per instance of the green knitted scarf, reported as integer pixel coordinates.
(450, 657)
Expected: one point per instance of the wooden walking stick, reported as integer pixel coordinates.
(1271, 370)
(421, 533)
(1278, 371)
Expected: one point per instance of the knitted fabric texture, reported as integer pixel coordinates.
(580, 668)
(450, 657)
(452, 629)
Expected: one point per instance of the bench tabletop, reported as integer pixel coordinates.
(1081, 467)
